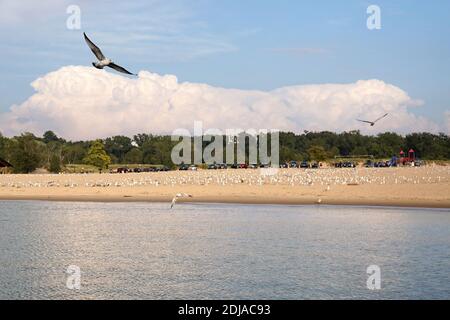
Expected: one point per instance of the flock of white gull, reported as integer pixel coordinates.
(292, 177)
(326, 178)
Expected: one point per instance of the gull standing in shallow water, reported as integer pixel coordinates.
(177, 196)
(102, 60)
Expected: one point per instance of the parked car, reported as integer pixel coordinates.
(243, 166)
(184, 167)
(234, 166)
(381, 164)
(193, 167)
(315, 165)
(304, 164)
(283, 165)
(293, 164)
(369, 164)
(212, 167)
(253, 166)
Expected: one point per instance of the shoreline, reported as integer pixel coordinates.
(258, 200)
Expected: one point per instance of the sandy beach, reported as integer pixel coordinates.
(410, 187)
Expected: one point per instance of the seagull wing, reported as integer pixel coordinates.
(173, 202)
(364, 121)
(98, 53)
(381, 117)
(119, 68)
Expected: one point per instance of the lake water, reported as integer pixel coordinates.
(215, 251)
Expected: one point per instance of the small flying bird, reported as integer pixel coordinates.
(102, 60)
(177, 196)
(372, 123)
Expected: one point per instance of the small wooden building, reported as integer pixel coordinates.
(4, 166)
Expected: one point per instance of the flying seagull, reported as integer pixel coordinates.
(177, 196)
(372, 123)
(102, 60)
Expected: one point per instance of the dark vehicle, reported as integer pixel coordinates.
(253, 166)
(348, 164)
(315, 165)
(165, 168)
(369, 164)
(381, 164)
(283, 165)
(184, 167)
(345, 164)
(293, 164)
(234, 166)
(212, 167)
(265, 166)
(304, 164)
(221, 166)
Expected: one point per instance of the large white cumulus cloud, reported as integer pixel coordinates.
(84, 103)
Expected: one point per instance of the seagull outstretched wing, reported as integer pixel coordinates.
(119, 68)
(384, 116)
(96, 50)
(370, 122)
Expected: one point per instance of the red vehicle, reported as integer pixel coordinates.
(242, 166)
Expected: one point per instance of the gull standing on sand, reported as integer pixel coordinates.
(177, 196)
(102, 60)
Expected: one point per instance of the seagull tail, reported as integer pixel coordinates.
(95, 66)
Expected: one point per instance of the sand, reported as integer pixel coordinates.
(407, 187)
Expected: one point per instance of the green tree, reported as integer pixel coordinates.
(55, 164)
(50, 136)
(317, 153)
(27, 153)
(74, 152)
(390, 143)
(134, 156)
(3, 146)
(117, 147)
(97, 156)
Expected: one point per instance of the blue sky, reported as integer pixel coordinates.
(252, 44)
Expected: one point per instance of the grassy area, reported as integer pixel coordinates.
(438, 162)
(79, 168)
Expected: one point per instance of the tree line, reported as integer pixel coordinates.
(27, 152)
